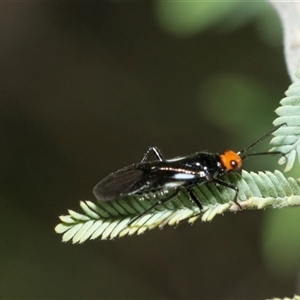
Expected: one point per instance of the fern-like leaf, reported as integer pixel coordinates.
(296, 297)
(287, 138)
(109, 220)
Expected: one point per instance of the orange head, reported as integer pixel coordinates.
(231, 160)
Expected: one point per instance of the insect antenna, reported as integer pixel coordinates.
(243, 153)
(263, 153)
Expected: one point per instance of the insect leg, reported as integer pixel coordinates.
(159, 202)
(195, 199)
(231, 186)
(156, 151)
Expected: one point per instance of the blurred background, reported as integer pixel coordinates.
(85, 89)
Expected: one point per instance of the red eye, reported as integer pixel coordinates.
(234, 164)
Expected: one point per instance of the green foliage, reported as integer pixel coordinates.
(296, 297)
(187, 18)
(109, 220)
(287, 137)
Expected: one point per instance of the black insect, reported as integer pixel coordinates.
(171, 175)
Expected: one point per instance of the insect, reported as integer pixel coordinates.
(172, 175)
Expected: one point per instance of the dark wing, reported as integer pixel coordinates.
(118, 184)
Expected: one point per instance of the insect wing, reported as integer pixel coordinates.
(117, 184)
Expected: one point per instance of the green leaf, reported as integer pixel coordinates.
(287, 138)
(256, 191)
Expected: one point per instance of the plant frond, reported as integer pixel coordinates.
(287, 138)
(296, 297)
(108, 220)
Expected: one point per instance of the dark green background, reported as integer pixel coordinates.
(85, 89)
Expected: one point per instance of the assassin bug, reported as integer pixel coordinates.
(169, 176)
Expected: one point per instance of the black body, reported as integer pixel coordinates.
(164, 175)
(161, 174)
